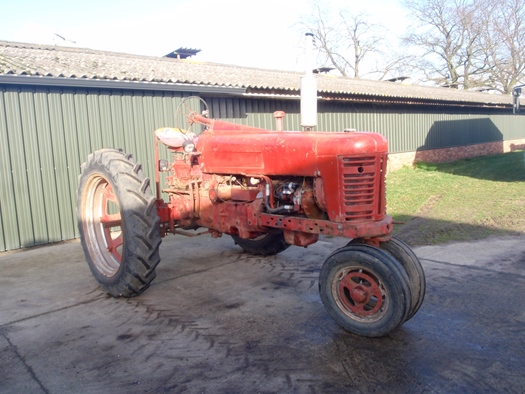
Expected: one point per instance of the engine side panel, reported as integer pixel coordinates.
(352, 165)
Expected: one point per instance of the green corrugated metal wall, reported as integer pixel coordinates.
(46, 133)
(406, 128)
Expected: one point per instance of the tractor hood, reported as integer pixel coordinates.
(228, 148)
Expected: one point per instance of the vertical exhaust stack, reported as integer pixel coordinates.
(309, 88)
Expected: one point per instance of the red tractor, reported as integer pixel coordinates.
(267, 190)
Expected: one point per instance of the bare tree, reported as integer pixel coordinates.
(363, 37)
(448, 33)
(351, 43)
(504, 42)
(464, 44)
(470, 44)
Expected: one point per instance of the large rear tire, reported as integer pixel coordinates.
(365, 290)
(265, 245)
(118, 223)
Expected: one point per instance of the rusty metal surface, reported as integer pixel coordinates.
(348, 170)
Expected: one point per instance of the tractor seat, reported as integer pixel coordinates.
(173, 138)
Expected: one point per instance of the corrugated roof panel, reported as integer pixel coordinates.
(63, 62)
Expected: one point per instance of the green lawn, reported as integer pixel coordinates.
(465, 200)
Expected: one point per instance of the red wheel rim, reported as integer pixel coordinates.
(111, 221)
(361, 294)
(102, 223)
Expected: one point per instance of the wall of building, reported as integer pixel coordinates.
(47, 132)
(397, 161)
(45, 136)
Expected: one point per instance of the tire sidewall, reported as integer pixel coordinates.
(411, 264)
(385, 269)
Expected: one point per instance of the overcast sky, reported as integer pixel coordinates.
(253, 33)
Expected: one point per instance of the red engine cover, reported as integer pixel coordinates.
(229, 148)
(351, 165)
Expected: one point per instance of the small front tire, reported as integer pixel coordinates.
(412, 266)
(365, 290)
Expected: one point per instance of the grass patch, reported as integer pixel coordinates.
(465, 200)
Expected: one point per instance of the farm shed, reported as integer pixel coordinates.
(58, 104)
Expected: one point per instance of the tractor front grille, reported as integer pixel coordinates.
(363, 187)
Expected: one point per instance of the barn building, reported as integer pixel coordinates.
(58, 104)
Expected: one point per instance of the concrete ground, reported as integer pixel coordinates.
(216, 320)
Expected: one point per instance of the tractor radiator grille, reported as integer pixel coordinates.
(362, 187)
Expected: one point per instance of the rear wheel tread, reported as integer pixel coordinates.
(140, 223)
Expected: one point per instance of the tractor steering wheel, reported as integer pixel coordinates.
(187, 114)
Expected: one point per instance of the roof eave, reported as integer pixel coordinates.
(31, 80)
(372, 98)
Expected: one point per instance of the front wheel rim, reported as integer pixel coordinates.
(360, 294)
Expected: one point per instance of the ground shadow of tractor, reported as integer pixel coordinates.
(420, 230)
(468, 140)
